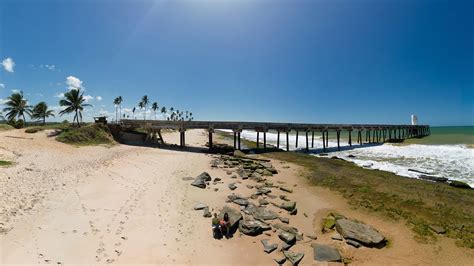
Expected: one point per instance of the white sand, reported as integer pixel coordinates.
(129, 205)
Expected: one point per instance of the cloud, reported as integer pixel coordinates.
(73, 82)
(98, 98)
(8, 64)
(15, 91)
(88, 98)
(50, 67)
(59, 95)
(3, 101)
(2, 85)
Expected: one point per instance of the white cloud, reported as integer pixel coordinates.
(98, 98)
(59, 95)
(73, 82)
(3, 101)
(88, 98)
(15, 91)
(2, 85)
(8, 64)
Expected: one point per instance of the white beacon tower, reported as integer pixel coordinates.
(414, 120)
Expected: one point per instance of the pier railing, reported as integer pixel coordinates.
(373, 132)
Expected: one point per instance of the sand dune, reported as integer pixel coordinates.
(128, 205)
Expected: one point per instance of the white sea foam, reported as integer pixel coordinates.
(452, 161)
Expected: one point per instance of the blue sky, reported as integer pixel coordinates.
(290, 61)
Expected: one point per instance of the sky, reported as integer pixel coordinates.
(341, 61)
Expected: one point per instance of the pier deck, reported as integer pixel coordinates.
(374, 132)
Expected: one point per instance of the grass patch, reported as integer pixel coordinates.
(93, 134)
(5, 127)
(5, 163)
(419, 203)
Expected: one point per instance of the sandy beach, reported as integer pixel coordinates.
(124, 204)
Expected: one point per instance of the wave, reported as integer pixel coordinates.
(455, 162)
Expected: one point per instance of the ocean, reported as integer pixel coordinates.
(447, 152)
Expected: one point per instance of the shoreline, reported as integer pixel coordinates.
(129, 204)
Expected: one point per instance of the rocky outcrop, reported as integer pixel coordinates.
(459, 184)
(326, 253)
(288, 205)
(362, 233)
(434, 178)
(234, 216)
(287, 237)
(263, 214)
(200, 180)
(293, 257)
(252, 227)
(267, 247)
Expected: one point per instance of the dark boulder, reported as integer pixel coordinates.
(434, 178)
(253, 227)
(326, 253)
(362, 233)
(459, 184)
(267, 247)
(293, 257)
(234, 216)
(200, 180)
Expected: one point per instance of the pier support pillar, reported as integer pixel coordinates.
(264, 140)
(312, 139)
(327, 139)
(235, 140)
(258, 139)
(210, 138)
(360, 137)
(287, 141)
(307, 142)
(238, 140)
(324, 141)
(350, 138)
(296, 139)
(278, 140)
(338, 133)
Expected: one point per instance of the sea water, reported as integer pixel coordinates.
(447, 152)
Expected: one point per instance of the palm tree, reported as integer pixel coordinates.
(40, 111)
(17, 106)
(118, 104)
(74, 102)
(133, 112)
(143, 104)
(163, 111)
(154, 107)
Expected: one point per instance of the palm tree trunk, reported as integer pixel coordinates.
(44, 120)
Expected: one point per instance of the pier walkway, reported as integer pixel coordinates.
(373, 133)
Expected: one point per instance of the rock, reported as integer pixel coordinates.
(284, 220)
(326, 253)
(238, 153)
(289, 206)
(228, 172)
(241, 202)
(289, 190)
(438, 229)
(200, 206)
(283, 197)
(234, 216)
(232, 186)
(262, 202)
(285, 246)
(434, 178)
(207, 213)
(263, 191)
(233, 176)
(293, 257)
(269, 248)
(273, 170)
(312, 237)
(419, 171)
(266, 165)
(249, 186)
(458, 184)
(217, 179)
(253, 227)
(280, 260)
(266, 172)
(351, 156)
(250, 208)
(336, 236)
(287, 237)
(187, 178)
(353, 243)
(263, 214)
(362, 233)
(200, 180)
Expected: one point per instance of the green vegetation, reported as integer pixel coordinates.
(74, 102)
(5, 127)
(5, 163)
(92, 134)
(16, 107)
(423, 205)
(41, 111)
(60, 126)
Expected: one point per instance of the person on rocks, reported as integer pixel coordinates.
(224, 224)
(216, 228)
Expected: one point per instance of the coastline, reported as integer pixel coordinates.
(129, 204)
